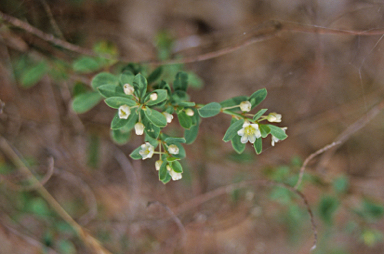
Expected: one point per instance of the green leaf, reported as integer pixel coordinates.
(177, 167)
(140, 85)
(191, 134)
(184, 120)
(171, 159)
(259, 114)
(327, 207)
(116, 102)
(155, 75)
(277, 132)
(126, 78)
(181, 153)
(34, 74)
(120, 137)
(341, 184)
(232, 130)
(237, 145)
(233, 102)
(163, 172)
(118, 122)
(39, 207)
(257, 97)
(186, 104)
(172, 140)
(155, 117)
(66, 247)
(86, 64)
(258, 145)
(108, 91)
(209, 110)
(371, 211)
(84, 102)
(162, 95)
(194, 80)
(151, 130)
(131, 121)
(135, 154)
(152, 141)
(180, 97)
(181, 81)
(264, 130)
(104, 78)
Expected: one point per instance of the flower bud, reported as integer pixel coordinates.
(153, 96)
(274, 118)
(173, 149)
(124, 111)
(168, 116)
(139, 128)
(189, 112)
(128, 89)
(245, 106)
(158, 164)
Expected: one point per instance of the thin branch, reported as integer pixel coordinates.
(229, 188)
(344, 136)
(174, 218)
(266, 31)
(52, 20)
(27, 238)
(89, 240)
(310, 157)
(47, 37)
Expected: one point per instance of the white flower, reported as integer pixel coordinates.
(173, 149)
(274, 139)
(274, 118)
(168, 116)
(139, 128)
(153, 96)
(189, 112)
(245, 106)
(249, 132)
(124, 112)
(128, 89)
(158, 164)
(147, 150)
(175, 176)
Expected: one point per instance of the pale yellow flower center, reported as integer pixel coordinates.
(249, 130)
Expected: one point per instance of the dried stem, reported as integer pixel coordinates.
(266, 31)
(345, 135)
(85, 236)
(226, 189)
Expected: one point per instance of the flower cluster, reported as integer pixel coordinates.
(147, 107)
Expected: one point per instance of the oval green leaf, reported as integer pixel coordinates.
(209, 110)
(155, 117)
(116, 102)
(104, 78)
(85, 101)
(232, 130)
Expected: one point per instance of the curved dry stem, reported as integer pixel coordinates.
(344, 136)
(264, 32)
(229, 188)
(174, 218)
(310, 157)
(89, 240)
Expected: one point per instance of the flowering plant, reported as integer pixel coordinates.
(147, 107)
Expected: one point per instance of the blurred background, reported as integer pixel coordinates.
(320, 83)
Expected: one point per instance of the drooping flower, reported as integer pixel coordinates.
(158, 164)
(249, 132)
(274, 118)
(153, 96)
(147, 150)
(175, 176)
(124, 112)
(189, 112)
(128, 89)
(245, 106)
(173, 149)
(139, 128)
(274, 139)
(168, 116)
